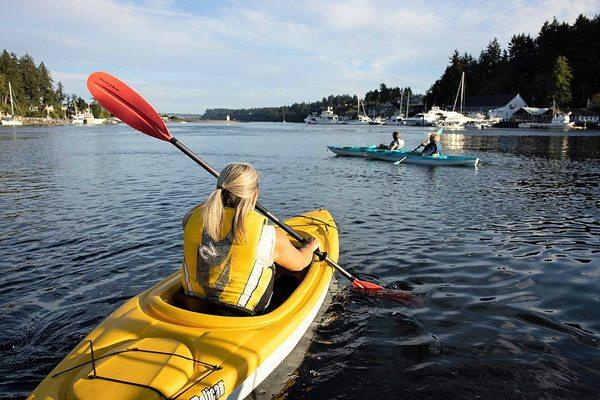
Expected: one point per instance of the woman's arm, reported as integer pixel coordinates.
(291, 258)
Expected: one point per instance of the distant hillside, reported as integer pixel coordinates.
(379, 101)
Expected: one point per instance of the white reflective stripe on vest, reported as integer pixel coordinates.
(186, 278)
(264, 255)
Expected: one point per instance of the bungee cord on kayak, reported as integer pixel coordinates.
(93, 374)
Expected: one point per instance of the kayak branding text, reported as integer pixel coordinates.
(212, 393)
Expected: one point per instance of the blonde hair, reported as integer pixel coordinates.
(237, 187)
(433, 136)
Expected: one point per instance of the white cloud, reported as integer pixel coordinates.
(263, 53)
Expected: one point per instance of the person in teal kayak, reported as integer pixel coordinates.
(396, 144)
(229, 249)
(432, 146)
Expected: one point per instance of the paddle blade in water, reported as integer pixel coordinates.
(375, 290)
(124, 103)
(366, 286)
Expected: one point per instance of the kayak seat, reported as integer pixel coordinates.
(285, 284)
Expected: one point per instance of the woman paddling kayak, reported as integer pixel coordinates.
(230, 251)
(432, 146)
(396, 144)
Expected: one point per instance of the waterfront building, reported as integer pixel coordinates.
(499, 106)
(585, 117)
(533, 114)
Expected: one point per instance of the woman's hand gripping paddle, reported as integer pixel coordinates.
(132, 109)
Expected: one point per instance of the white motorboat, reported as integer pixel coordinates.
(361, 120)
(377, 121)
(558, 122)
(86, 117)
(326, 117)
(396, 120)
(428, 118)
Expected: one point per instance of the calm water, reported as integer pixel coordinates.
(506, 256)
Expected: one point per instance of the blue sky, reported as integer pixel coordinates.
(186, 56)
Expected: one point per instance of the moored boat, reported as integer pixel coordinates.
(327, 117)
(417, 158)
(11, 120)
(162, 344)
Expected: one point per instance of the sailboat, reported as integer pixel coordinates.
(11, 120)
(360, 119)
(455, 120)
(397, 119)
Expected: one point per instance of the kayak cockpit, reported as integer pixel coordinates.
(285, 284)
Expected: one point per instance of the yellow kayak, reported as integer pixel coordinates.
(158, 346)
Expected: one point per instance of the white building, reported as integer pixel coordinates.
(495, 106)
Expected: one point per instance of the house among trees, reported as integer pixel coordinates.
(501, 106)
(533, 114)
(585, 117)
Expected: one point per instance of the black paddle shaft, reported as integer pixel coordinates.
(322, 256)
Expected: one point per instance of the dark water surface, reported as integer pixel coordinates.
(506, 256)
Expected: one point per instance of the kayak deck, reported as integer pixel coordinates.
(154, 346)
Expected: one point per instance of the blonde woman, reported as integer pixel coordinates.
(432, 147)
(230, 250)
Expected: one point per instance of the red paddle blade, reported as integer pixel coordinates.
(375, 290)
(124, 103)
(366, 286)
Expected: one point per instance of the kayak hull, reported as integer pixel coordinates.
(417, 158)
(155, 347)
(348, 151)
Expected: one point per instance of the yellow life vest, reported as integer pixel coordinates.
(224, 271)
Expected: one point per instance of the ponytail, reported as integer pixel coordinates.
(238, 188)
(212, 214)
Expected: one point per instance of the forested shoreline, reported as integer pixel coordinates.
(561, 64)
(35, 93)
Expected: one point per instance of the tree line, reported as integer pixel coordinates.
(561, 64)
(342, 104)
(34, 89)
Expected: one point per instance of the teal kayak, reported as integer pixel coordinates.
(417, 158)
(348, 151)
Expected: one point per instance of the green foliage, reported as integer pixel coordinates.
(342, 104)
(560, 84)
(526, 66)
(33, 89)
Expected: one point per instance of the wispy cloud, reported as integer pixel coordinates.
(187, 56)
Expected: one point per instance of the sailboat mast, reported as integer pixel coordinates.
(12, 103)
(462, 92)
(457, 93)
(401, 98)
(407, 102)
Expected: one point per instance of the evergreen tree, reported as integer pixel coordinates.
(560, 84)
